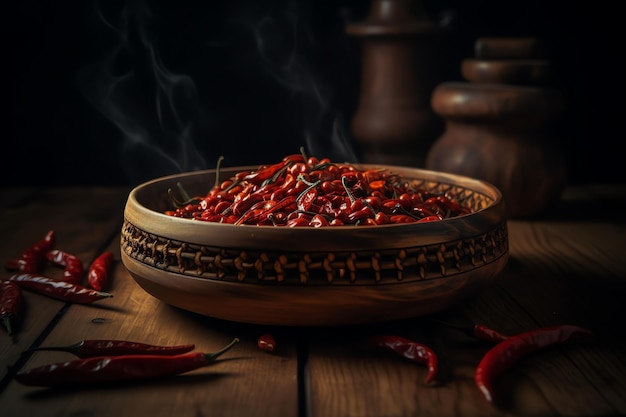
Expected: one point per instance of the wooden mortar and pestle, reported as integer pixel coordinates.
(498, 124)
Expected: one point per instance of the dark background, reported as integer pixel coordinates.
(118, 92)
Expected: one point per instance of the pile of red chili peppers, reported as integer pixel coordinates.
(301, 191)
(29, 267)
(507, 350)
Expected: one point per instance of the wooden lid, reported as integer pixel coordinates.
(508, 48)
(505, 71)
(495, 101)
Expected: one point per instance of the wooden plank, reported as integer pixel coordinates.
(559, 272)
(246, 381)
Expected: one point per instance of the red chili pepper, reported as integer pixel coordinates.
(244, 203)
(267, 342)
(361, 214)
(318, 221)
(507, 352)
(265, 173)
(411, 350)
(487, 334)
(93, 348)
(73, 266)
(296, 158)
(98, 274)
(32, 259)
(108, 369)
(306, 199)
(476, 330)
(381, 218)
(262, 214)
(10, 303)
(402, 218)
(298, 222)
(429, 219)
(65, 291)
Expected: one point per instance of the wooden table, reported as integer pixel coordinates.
(569, 268)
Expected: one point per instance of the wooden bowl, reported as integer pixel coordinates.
(302, 276)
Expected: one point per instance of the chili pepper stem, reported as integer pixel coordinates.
(218, 167)
(348, 192)
(214, 355)
(303, 153)
(186, 195)
(6, 320)
(70, 348)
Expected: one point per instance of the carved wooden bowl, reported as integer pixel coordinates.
(304, 276)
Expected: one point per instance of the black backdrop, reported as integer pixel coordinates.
(118, 92)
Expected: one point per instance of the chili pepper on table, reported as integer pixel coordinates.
(10, 303)
(98, 274)
(507, 352)
(73, 266)
(477, 331)
(32, 259)
(107, 369)
(267, 342)
(101, 347)
(65, 291)
(411, 350)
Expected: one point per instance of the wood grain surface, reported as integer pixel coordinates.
(565, 268)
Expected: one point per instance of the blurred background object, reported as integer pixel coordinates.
(402, 53)
(118, 92)
(499, 125)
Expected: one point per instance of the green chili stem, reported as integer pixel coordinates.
(322, 166)
(177, 203)
(345, 186)
(214, 355)
(186, 196)
(303, 153)
(218, 166)
(274, 177)
(6, 320)
(301, 178)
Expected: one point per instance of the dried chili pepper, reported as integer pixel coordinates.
(487, 334)
(411, 350)
(73, 266)
(507, 352)
(478, 331)
(65, 291)
(107, 369)
(368, 197)
(32, 259)
(98, 274)
(10, 303)
(267, 342)
(99, 347)
(266, 172)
